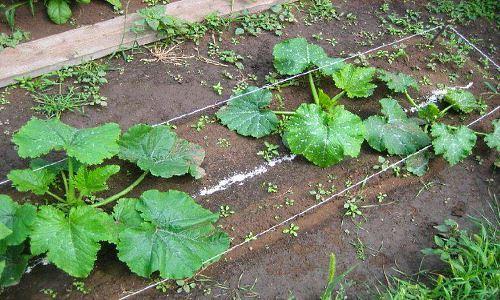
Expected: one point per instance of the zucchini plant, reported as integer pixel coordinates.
(324, 132)
(177, 236)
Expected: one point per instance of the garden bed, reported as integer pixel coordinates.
(140, 92)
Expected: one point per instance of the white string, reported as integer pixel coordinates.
(216, 104)
(293, 217)
(474, 46)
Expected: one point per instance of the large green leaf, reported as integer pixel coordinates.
(394, 131)
(461, 100)
(398, 82)
(493, 139)
(37, 182)
(355, 81)
(248, 115)
(17, 218)
(418, 163)
(71, 241)
(330, 65)
(324, 138)
(295, 55)
(59, 11)
(89, 182)
(176, 235)
(117, 4)
(88, 145)
(13, 263)
(160, 151)
(454, 144)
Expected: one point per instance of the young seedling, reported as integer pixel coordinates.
(270, 152)
(218, 88)
(225, 211)
(292, 230)
(351, 208)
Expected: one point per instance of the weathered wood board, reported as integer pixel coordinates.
(90, 42)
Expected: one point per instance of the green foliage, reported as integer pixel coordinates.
(88, 146)
(71, 240)
(248, 113)
(355, 81)
(394, 131)
(176, 235)
(493, 139)
(463, 12)
(15, 221)
(294, 56)
(321, 10)
(418, 163)
(155, 18)
(273, 20)
(89, 182)
(27, 180)
(398, 82)
(454, 144)
(324, 138)
(13, 39)
(59, 11)
(461, 100)
(430, 113)
(13, 263)
(160, 151)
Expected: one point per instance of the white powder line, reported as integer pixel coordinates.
(241, 177)
(436, 96)
(310, 208)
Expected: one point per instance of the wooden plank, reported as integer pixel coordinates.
(90, 42)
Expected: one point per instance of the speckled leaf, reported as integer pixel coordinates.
(398, 82)
(176, 235)
(324, 138)
(453, 144)
(295, 55)
(394, 131)
(355, 81)
(160, 151)
(17, 218)
(71, 241)
(37, 182)
(493, 139)
(248, 115)
(329, 65)
(461, 100)
(418, 163)
(430, 113)
(88, 145)
(13, 263)
(92, 181)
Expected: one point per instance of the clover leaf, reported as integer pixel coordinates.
(398, 82)
(461, 100)
(355, 81)
(394, 131)
(493, 139)
(295, 55)
(176, 235)
(71, 241)
(248, 114)
(324, 138)
(160, 151)
(88, 145)
(454, 143)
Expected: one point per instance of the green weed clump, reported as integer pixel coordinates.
(464, 12)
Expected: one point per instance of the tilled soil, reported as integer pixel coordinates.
(393, 231)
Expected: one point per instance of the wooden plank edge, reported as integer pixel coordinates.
(34, 68)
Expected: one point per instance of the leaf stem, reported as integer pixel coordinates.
(410, 99)
(475, 132)
(65, 182)
(337, 97)
(441, 113)
(314, 92)
(56, 197)
(284, 113)
(122, 193)
(71, 187)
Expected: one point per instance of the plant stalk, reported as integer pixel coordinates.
(71, 188)
(65, 182)
(337, 97)
(410, 99)
(122, 193)
(441, 113)
(284, 113)
(314, 92)
(56, 197)
(475, 132)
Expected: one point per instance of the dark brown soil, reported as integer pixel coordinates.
(393, 232)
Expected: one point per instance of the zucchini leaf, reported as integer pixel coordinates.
(160, 151)
(13, 263)
(16, 218)
(89, 182)
(88, 146)
(453, 144)
(71, 241)
(295, 55)
(59, 11)
(27, 180)
(355, 81)
(461, 100)
(324, 138)
(394, 131)
(430, 113)
(117, 4)
(418, 164)
(176, 235)
(398, 82)
(493, 139)
(248, 115)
